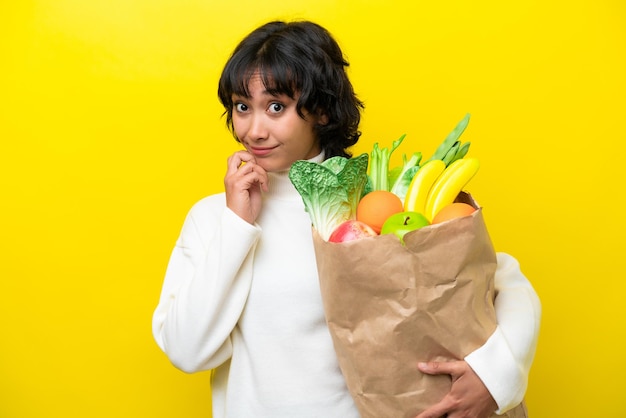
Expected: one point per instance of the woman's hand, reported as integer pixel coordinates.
(468, 396)
(243, 182)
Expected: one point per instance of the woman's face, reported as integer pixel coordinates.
(270, 128)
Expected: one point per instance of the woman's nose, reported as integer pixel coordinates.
(258, 128)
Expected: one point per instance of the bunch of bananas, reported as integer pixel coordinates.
(435, 185)
(440, 179)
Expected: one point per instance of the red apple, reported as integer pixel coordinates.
(351, 230)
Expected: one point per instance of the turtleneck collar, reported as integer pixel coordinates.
(280, 185)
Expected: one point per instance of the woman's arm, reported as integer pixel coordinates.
(205, 288)
(495, 376)
(504, 361)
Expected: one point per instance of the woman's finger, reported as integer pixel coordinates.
(243, 172)
(438, 410)
(440, 367)
(239, 159)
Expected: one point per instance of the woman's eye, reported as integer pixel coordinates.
(276, 108)
(240, 107)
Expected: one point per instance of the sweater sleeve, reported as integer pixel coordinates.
(205, 288)
(504, 361)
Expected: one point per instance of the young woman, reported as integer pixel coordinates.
(241, 293)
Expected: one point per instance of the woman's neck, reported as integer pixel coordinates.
(280, 185)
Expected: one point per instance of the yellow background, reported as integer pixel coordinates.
(110, 130)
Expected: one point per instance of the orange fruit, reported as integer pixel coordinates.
(453, 210)
(375, 207)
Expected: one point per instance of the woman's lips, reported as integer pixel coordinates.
(261, 151)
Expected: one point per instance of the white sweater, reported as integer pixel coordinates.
(244, 300)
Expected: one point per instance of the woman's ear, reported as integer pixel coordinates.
(322, 118)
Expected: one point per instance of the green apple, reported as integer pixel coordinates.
(404, 222)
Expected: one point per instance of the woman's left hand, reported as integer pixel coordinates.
(468, 396)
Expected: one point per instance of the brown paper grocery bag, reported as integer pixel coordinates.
(390, 305)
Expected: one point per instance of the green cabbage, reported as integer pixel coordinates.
(330, 190)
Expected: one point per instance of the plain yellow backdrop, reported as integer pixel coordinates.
(110, 130)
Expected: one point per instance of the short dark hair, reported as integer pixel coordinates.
(298, 57)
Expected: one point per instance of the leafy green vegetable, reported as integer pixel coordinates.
(330, 190)
(379, 169)
(400, 177)
(451, 148)
(335, 164)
